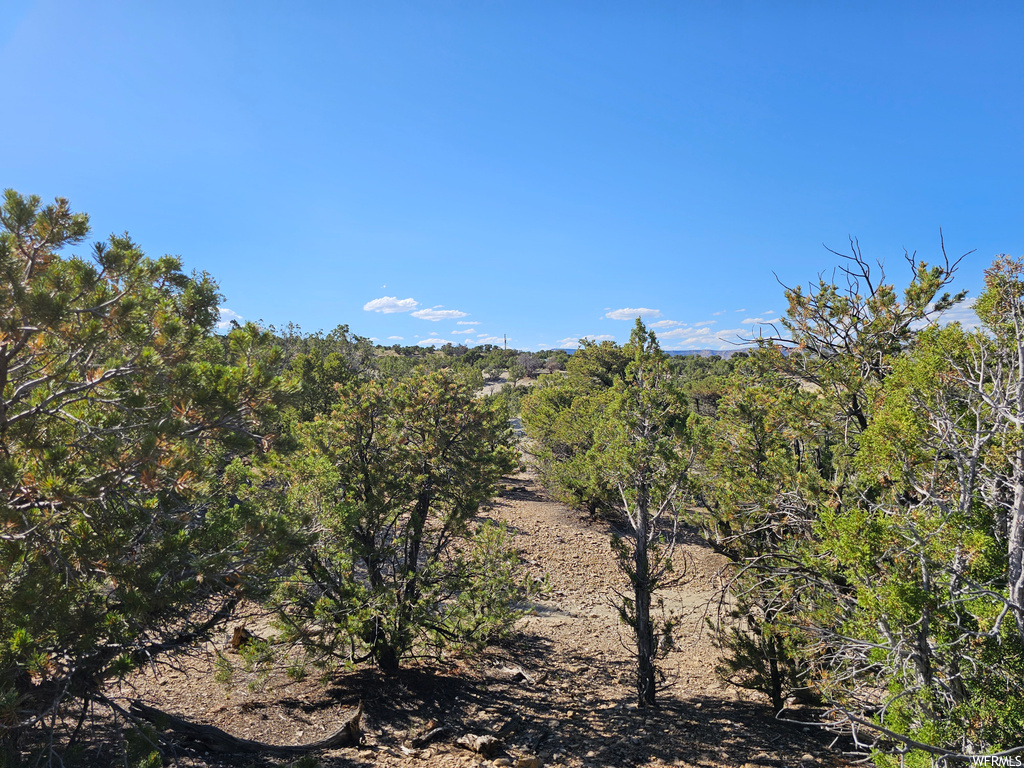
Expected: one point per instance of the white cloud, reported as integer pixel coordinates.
(226, 316)
(489, 340)
(391, 304)
(468, 330)
(705, 322)
(632, 314)
(572, 341)
(705, 338)
(962, 313)
(397, 338)
(665, 324)
(374, 339)
(436, 313)
(468, 322)
(679, 333)
(716, 314)
(741, 310)
(759, 320)
(425, 342)
(768, 312)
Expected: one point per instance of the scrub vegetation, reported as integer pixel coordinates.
(861, 471)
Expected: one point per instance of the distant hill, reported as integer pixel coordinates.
(725, 354)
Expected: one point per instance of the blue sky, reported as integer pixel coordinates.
(461, 171)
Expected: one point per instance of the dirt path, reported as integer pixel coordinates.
(574, 706)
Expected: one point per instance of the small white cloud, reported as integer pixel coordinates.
(759, 320)
(397, 338)
(468, 330)
(226, 316)
(716, 314)
(489, 340)
(741, 310)
(665, 324)
(436, 313)
(632, 314)
(705, 322)
(390, 304)
(768, 312)
(374, 339)
(434, 341)
(468, 322)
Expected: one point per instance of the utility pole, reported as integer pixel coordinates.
(505, 336)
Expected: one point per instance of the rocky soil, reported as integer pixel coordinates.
(560, 694)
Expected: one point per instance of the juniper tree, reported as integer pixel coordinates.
(119, 410)
(644, 452)
(391, 480)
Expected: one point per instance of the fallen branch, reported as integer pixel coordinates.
(425, 738)
(216, 740)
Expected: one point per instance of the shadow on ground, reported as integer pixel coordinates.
(566, 718)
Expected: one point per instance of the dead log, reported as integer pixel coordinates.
(485, 745)
(515, 674)
(216, 740)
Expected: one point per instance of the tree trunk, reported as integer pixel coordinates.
(1015, 547)
(389, 649)
(645, 650)
(775, 672)
(387, 656)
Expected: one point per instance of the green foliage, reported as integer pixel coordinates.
(258, 657)
(600, 363)
(761, 459)
(391, 480)
(867, 486)
(484, 590)
(320, 363)
(141, 748)
(120, 410)
(223, 670)
(935, 570)
(561, 414)
(508, 400)
(643, 451)
(613, 435)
